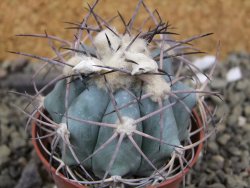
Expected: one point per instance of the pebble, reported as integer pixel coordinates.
(234, 151)
(218, 83)
(234, 74)
(223, 139)
(213, 147)
(7, 130)
(15, 171)
(235, 98)
(205, 62)
(18, 65)
(232, 120)
(247, 111)
(233, 181)
(218, 161)
(3, 73)
(221, 175)
(223, 110)
(50, 185)
(22, 161)
(245, 158)
(237, 110)
(4, 154)
(17, 141)
(30, 177)
(218, 101)
(6, 181)
(216, 185)
(242, 121)
(247, 91)
(242, 85)
(221, 127)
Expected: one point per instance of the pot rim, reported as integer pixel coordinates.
(177, 178)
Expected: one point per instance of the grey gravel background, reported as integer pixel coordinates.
(223, 164)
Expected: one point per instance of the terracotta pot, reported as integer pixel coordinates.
(174, 182)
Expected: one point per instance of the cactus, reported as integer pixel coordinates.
(117, 110)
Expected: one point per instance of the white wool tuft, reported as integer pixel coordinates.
(141, 62)
(144, 64)
(157, 86)
(63, 132)
(127, 126)
(179, 150)
(116, 60)
(88, 65)
(101, 42)
(67, 70)
(40, 101)
(138, 46)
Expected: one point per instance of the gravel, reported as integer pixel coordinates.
(226, 160)
(30, 176)
(223, 164)
(18, 165)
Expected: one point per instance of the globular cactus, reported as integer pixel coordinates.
(159, 115)
(118, 111)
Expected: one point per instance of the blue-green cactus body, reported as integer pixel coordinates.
(92, 103)
(166, 63)
(89, 105)
(54, 102)
(182, 115)
(155, 151)
(128, 159)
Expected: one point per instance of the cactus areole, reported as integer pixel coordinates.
(119, 113)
